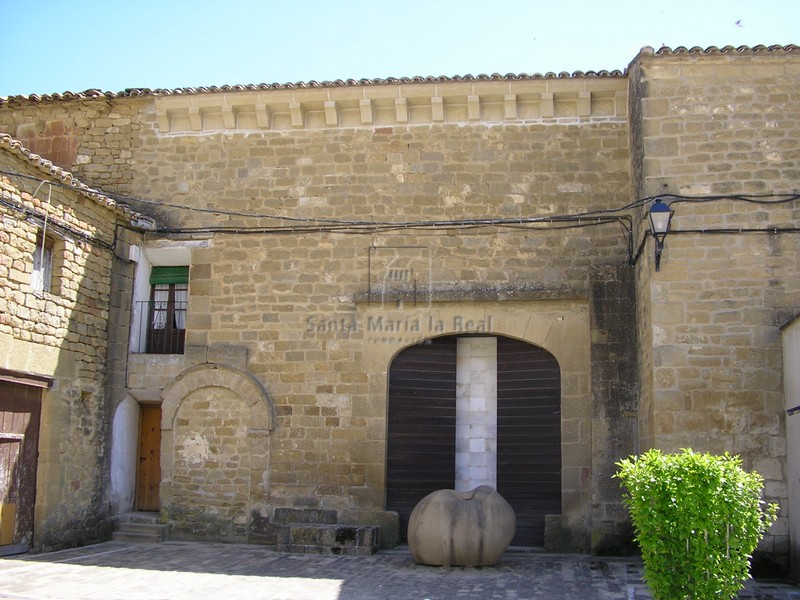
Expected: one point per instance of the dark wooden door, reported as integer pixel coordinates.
(421, 425)
(20, 407)
(528, 436)
(148, 474)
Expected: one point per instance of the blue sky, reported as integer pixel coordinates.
(50, 46)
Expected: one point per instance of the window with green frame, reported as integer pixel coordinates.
(169, 299)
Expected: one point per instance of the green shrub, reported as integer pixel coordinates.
(698, 518)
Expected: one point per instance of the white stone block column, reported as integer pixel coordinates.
(476, 413)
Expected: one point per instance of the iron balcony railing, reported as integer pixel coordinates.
(159, 327)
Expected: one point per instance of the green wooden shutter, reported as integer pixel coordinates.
(169, 275)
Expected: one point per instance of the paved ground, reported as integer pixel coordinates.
(194, 571)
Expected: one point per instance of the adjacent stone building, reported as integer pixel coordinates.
(57, 271)
(353, 293)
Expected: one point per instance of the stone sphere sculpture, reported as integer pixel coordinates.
(470, 529)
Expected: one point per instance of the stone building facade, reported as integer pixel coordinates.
(56, 265)
(328, 253)
(720, 127)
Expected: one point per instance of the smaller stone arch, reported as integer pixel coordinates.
(228, 499)
(244, 385)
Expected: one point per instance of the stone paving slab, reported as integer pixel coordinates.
(196, 571)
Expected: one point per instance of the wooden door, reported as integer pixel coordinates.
(422, 423)
(421, 448)
(148, 474)
(19, 451)
(528, 436)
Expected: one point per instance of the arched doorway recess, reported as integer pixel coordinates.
(520, 433)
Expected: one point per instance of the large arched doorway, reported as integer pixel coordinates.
(422, 424)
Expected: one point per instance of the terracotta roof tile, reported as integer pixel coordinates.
(139, 92)
(680, 50)
(143, 92)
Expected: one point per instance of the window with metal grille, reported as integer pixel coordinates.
(169, 296)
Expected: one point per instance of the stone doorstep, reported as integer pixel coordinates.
(328, 538)
(332, 551)
(140, 517)
(140, 528)
(294, 516)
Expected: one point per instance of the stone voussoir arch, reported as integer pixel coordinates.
(244, 385)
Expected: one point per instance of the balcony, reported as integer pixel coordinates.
(159, 327)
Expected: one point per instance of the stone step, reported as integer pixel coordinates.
(140, 517)
(287, 516)
(140, 528)
(317, 538)
(134, 527)
(137, 538)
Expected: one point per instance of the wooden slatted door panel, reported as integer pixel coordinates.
(528, 436)
(421, 425)
(148, 475)
(19, 450)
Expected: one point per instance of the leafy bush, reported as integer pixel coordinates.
(698, 518)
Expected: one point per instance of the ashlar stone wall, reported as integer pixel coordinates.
(719, 124)
(211, 462)
(292, 298)
(266, 181)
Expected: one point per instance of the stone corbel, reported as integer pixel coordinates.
(195, 118)
(365, 104)
(473, 108)
(228, 117)
(621, 103)
(437, 109)
(401, 110)
(331, 114)
(162, 117)
(584, 104)
(548, 109)
(510, 107)
(263, 116)
(296, 113)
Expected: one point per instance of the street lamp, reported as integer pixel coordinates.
(660, 215)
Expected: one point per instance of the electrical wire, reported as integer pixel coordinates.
(45, 221)
(330, 225)
(749, 198)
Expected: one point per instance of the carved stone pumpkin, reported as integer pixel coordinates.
(468, 529)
